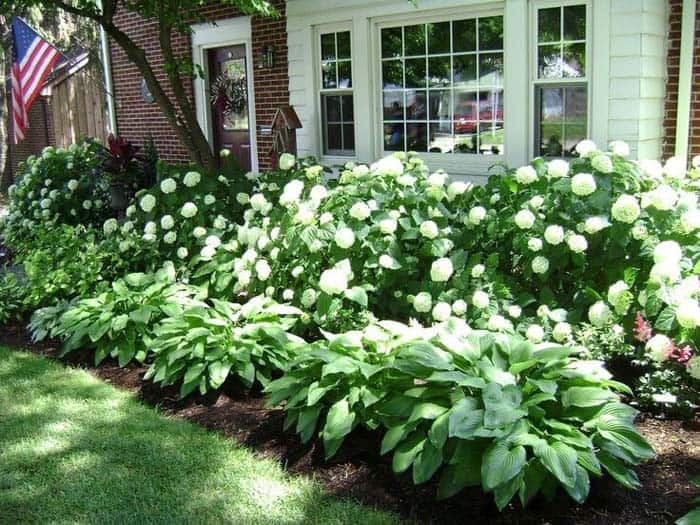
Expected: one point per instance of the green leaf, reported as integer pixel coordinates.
(339, 423)
(193, 372)
(504, 493)
(586, 396)
(392, 438)
(427, 462)
(218, 372)
(465, 418)
(619, 471)
(358, 295)
(692, 518)
(501, 464)
(559, 459)
(534, 475)
(426, 411)
(582, 486)
(439, 430)
(407, 451)
(667, 316)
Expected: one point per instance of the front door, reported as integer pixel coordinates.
(229, 102)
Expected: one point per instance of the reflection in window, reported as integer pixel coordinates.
(337, 109)
(561, 88)
(442, 86)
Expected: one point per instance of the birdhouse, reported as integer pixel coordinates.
(284, 135)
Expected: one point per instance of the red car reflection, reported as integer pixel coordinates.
(468, 114)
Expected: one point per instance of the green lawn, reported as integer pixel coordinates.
(73, 449)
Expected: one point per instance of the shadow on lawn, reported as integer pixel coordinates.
(74, 450)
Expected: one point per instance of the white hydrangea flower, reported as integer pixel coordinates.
(658, 347)
(388, 226)
(437, 179)
(199, 232)
(170, 238)
(386, 261)
(554, 234)
(189, 210)
(540, 265)
(626, 209)
(191, 179)
(693, 367)
(441, 270)
(110, 226)
(182, 252)
(515, 311)
(561, 332)
(537, 201)
(534, 333)
(344, 238)
(288, 294)
(73, 185)
(619, 147)
(127, 227)
(690, 220)
(167, 222)
(287, 161)
(124, 246)
(132, 209)
(534, 244)
(360, 211)
(459, 307)
(423, 302)
(258, 202)
(244, 278)
(583, 184)
(147, 203)
(207, 252)
(168, 185)
(585, 148)
(675, 168)
(220, 223)
(477, 214)
(87, 204)
(209, 199)
(526, 175)
(318, 193)
(688, 314)
(148, 237)
(478, 270)
(325, 218)
(557, 168)
(616, 292)
(45, 203)
(297, 271)
(150, 228)
(599, 314)
(577, 243)
(498, 323)
(213, 240)
(313, 172)
(442, 311)
(639, 232)
(480, 299)
(455, 189)
(594, 224)
(243, 198)
(304, 215)
(665, 272)
(662, 198)
(308, 297)
(334, 281)
(602, 163)
(262, 269)
(429, 229)
(524, 219)
(651, 168)
(668, 251)
(361, 170)
(390, 165)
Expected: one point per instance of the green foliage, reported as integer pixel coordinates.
(203, 345)
(12, 293)
(479, 407)
(119, 321)
(693, 517)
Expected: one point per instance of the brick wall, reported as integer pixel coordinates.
(136, 119)
(673, 57)
(37, 137)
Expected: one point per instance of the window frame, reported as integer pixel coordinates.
(463, 162)
(333, 156)
(535, 81)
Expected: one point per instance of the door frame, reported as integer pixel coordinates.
(208, 35)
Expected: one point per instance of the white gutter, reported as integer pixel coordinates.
(109, 85)
(685, 78)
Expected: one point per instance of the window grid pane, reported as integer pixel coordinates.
(561, 42)
(447, 98)
(337, 111)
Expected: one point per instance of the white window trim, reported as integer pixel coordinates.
(319, 30)
(304, 15)
(227, 32)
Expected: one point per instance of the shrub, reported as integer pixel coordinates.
(12, 293)
(489, 409)
(203, 345)
(62, 186)
(118, 322)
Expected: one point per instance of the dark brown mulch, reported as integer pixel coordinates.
(360, 473)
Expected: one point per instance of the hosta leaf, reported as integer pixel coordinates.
(533, 476)
(501, 464)
(619, 471)
(692, 518)
(456, 477)
(306, 423)
(586, 396)
(559, 459)
(194, 372)
(465, 418)
(504, 493)
(339, 423)
(218, 372)
(426, 463)
(582, 485)
(426, 411)
(316, 392)
(358, 295)
(439, 430)
(407, 451)
(588, 460)
(631, 441)
(393, 437)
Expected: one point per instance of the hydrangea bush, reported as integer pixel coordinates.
(61, 186)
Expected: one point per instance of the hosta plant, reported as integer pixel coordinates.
(118, 322)
(205, 344)
(477, 407)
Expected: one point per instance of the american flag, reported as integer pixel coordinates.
(33, 60)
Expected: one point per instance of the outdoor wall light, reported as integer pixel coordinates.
(267, 57)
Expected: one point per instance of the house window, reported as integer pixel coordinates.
(442, 86)
(337, 106)
(561, 85)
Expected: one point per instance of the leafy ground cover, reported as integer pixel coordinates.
(361, 473)
(74, 449)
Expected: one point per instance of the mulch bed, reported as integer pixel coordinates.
(359, 472)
